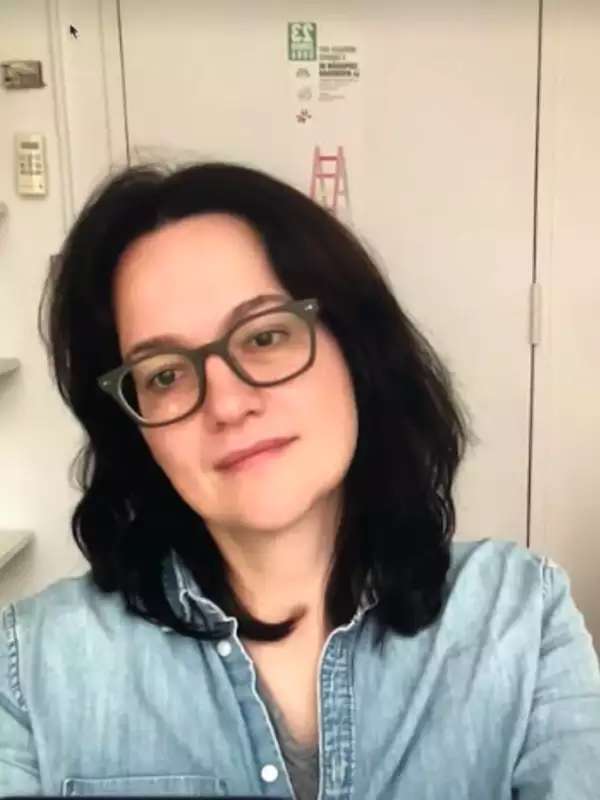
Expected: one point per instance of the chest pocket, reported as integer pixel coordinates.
(146, 786)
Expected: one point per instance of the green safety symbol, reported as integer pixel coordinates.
(302, 41)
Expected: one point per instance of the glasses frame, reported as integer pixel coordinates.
(111, 381)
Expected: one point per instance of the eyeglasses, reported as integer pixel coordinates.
(264, 349)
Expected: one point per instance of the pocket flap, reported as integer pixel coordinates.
(146, 786)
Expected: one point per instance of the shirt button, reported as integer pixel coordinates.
(224, 648)
(269, 773)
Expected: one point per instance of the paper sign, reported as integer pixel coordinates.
(302, 41)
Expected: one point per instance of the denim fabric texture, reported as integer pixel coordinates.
(499, 699)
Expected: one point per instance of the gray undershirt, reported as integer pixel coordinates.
(302, 761)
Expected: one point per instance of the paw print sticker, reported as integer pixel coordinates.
(303, 115)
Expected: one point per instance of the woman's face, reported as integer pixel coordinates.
(183, 280)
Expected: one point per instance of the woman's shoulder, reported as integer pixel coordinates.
(62, 596)
(495, 585)
(70, 617)
(488, 559)
(68, 611)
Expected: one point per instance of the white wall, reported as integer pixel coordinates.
(37, 436)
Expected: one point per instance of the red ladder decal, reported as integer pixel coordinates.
(339, 176)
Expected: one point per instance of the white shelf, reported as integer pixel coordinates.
(11, 543)
(9, 365)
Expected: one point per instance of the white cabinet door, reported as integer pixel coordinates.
(439, 137)
(566, 490)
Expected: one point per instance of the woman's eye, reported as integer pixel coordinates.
(158, 379)
(266, 338)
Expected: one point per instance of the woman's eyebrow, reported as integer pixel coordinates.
(244, 308)
(236, 313)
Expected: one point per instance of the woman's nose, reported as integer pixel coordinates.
(227, 396)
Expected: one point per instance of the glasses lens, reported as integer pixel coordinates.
(161, 387)
(272, 347)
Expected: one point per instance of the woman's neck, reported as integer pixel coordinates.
(275, 573)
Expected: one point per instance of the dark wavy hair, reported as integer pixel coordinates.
(398, 515)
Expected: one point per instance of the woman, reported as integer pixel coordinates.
(275, 606)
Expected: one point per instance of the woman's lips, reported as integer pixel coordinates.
(256, 458)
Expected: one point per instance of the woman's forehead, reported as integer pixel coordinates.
(188, 276)
(202, 246)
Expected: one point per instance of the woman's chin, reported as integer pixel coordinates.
(269, 519)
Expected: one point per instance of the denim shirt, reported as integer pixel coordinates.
(498, 699)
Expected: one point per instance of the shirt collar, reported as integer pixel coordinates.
(185, 594)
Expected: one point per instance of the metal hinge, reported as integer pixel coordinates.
(535, 326)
